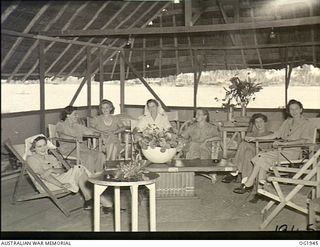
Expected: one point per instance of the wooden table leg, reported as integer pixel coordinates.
(224, 144)
(98, 190)
(152, 206)
(117, 218)
(134, 207)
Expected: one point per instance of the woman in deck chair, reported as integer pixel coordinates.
(52, 173)
(294, 130)
(246, 151)
(200, 135)
(109, 126)
(70, 128)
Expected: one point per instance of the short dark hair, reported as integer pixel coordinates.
(258, 115)
(35, 140)
(293, 102)
(67, 111)
(152, 101)
(205, 112)
(105, 101)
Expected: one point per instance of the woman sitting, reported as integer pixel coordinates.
(293, 130)
(153, 115)
(55, 177)
(109, 126)
(246, 151)
(70, 128)
(200, 134)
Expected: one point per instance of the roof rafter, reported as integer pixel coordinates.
(51, 44)
(69, 45)
(96, 70)
(193, 29)
(119, 25)
(26, 30)
(8, 11)
(91, 39)
(35, 44)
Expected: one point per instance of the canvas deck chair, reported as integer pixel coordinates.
(293, 192)
(55, 139)
(42, 190)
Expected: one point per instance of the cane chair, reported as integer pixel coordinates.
(55, 139)
(42, 190)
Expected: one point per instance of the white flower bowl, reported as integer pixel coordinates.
(156, 156)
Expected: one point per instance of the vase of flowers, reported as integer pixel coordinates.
(241, 92)
(158, 145)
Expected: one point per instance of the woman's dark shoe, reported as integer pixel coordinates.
(109, 210)
(229, 178)
(88, 205)
(243, 189)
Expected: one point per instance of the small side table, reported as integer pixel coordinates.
(101, 184)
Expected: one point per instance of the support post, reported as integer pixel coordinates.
(101, 75)
(188, 13)
(144, 82)
(42, 87)
(122, 82)
(89, 81)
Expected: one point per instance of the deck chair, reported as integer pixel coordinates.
(292, 192)
(55, 139)
(42, 190)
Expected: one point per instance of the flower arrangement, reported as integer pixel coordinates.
(241, 91)
(128, 171)
(154, 137)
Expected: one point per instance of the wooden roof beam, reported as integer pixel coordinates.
(187, 13)
(90, 40)
(97, 69)
(8, 11)
(212, 47)
(303, 21)
(86, 26)
(119, 25)
(132, 25)
(26, 30)
(66, 25)
(36, 42)
(255, 39)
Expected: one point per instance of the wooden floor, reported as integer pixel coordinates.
(216, 209)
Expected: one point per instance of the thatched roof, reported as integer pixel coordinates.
(196, 35)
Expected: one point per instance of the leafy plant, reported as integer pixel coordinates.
(154, 137)
(240, 91)
(132, 171)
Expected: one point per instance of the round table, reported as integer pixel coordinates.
(101, 184)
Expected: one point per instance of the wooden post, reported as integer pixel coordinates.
(122, 82)
(89, 81)
(144, 82)
(101, 79)
(42, 87)
(188, 13)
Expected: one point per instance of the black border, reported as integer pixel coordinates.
(232, 235)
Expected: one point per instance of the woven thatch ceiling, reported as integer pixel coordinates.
(219, 34)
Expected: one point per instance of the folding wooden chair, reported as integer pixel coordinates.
(43, 190)
(173, 116)
(285, 191)
(55, 139)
